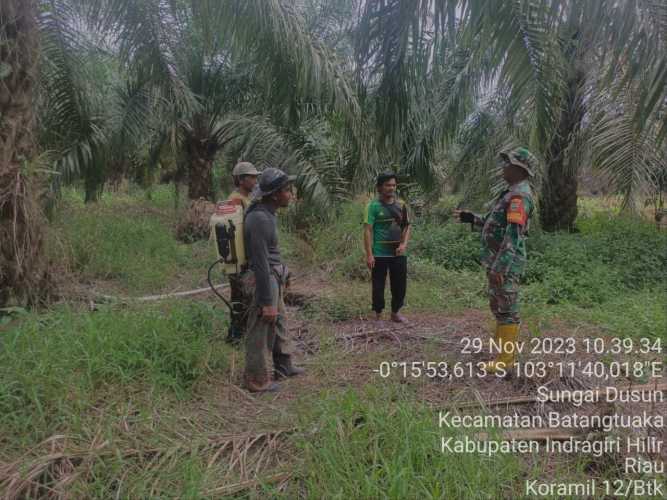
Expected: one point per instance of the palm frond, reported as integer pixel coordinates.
(491, 128)
(395, 49)
(69, 125)
(273, 34)
(624, 148)
(146, 36)
(311, 153)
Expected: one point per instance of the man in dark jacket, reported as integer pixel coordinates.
(267, 339)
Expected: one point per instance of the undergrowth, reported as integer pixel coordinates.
(377, 442)
(612, 272)
(122, 240)
(56, 365)
(63, 372)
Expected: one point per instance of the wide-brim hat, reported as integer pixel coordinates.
(272, 180)
(519, 157)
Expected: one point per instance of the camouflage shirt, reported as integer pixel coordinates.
(504, 230)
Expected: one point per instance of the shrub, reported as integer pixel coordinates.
(441, 212)
(339, 245)
(453, 246)
(608, 256)
(635, 248)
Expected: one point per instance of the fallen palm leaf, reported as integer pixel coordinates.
(55, 471)
(246, 485)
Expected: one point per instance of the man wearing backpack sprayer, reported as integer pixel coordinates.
(245, 178)
(504, 231)
(386, 235)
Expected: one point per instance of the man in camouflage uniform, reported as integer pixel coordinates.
(504, 230)
(245, 179)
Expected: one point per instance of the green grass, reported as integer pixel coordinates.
(161, 196)
(437, 288)
(123, 241)
(379, 442)
(634, 314)
(54, 366)
(338, 246)
(129, 241)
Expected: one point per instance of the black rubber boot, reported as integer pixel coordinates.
(234, 335)
(283, 367)
(272, 387)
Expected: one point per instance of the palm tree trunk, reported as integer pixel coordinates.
(22, 269)
(200, 170)
(93, 183)
(558, 199)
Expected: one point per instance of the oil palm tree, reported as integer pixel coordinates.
(93, 115)
(560, 64)
(22, 270)
(212, 62)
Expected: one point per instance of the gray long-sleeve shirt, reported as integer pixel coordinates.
(261, 244)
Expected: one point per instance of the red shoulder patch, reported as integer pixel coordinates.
(516, 211)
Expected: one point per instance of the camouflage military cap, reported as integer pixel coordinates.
(519, 157)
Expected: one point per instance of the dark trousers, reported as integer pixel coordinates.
(398, 277)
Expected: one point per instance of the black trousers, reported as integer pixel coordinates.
(398, 277)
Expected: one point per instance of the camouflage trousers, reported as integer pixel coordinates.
(504, 300)
(268, 346)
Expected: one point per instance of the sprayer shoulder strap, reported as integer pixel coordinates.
(251, 208)
(398, 211)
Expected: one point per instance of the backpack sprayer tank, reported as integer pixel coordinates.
(227, 231)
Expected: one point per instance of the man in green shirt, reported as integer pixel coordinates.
(386, 235)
